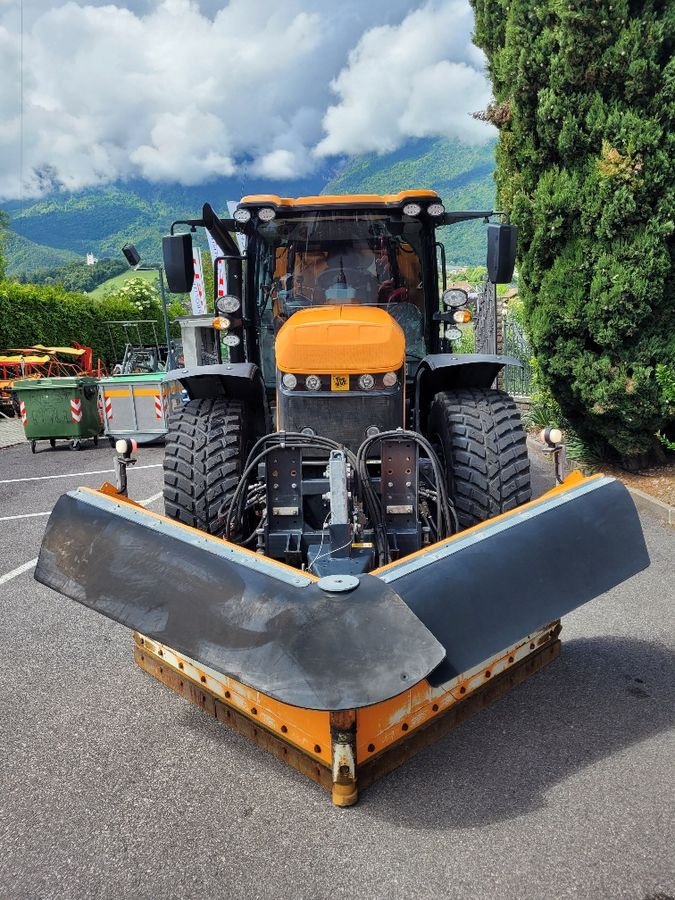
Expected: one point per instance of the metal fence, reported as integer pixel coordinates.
(517, 380)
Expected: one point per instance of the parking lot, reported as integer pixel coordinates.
(112, 786)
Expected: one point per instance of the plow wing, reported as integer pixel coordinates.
(431, 615)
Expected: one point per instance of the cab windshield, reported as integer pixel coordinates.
(338, 257)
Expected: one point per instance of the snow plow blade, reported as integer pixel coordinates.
(511, 575)
(265, 624)
(432, 615)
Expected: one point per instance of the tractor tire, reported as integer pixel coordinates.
(482, 444)
(203, 461)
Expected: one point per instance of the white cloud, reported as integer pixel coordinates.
(188, 90)
(421, 77)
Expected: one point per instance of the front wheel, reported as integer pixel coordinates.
(203, 461)
(482, 443)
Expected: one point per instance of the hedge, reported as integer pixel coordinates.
(40, 314)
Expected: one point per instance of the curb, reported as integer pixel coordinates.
(648, 504)
(644, 503)
(11, 433)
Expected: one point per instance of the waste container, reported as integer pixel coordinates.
(59, 409)
(138, 406)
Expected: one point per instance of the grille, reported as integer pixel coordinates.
(341, 417)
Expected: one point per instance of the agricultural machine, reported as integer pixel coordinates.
(350, 561)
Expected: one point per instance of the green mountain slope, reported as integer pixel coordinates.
(461, 174)
(62, 227)
(26, 256)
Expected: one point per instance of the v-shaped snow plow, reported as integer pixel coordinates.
(340, 670)
(350, 562)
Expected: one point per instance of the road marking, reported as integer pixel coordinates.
(22, 516)
(26, 567)
(152, 499)
(75, 474)
(18, 571)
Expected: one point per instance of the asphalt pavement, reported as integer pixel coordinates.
(111, 786)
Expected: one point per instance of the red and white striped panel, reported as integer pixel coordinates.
(108, 408)
(22, 410)
(76, 410)
(158, 406)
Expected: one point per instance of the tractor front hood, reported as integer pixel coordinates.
(430, 615)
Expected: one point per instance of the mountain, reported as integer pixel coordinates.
(64, 226)
(461, 174)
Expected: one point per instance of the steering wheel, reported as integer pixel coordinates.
(329, 277)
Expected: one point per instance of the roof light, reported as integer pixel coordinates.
(242, 216)
(266, 214)
(435, 209)
(412, 209)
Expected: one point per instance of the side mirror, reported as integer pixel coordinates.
(178, 265)
(501, 255)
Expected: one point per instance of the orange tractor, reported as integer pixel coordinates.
(350, 561)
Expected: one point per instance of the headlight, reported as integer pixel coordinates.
(453, 334)
(366, 382)
(242, 215)
(412, 209)
(231, 340)
(313, 383)
(435, 209)
(220, 323)
(308, 432)
(266, 214)
(461, 316)
(455, 297)
(390, 379)
(228, 304)
(289, 381)
(372, 430)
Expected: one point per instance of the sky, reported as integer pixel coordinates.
(191, 90)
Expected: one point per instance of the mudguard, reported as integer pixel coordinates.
(433, 614)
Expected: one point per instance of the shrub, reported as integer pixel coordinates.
(586, 164)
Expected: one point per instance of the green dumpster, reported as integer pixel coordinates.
(59, 409)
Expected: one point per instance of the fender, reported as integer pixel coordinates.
(445, 371)
(238, 381)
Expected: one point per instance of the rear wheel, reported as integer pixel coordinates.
(482, 443)
(203, 461)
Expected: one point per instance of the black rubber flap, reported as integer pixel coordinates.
(484, 591)
(267, 626)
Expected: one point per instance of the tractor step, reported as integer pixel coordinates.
(380, 737)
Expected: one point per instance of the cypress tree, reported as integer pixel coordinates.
(585, 103)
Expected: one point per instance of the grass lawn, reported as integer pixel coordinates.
(114, 284)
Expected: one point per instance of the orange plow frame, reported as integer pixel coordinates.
(379, 738)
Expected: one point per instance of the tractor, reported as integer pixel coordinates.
(350, 559)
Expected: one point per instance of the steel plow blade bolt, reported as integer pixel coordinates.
(269, 626)
(486, 588)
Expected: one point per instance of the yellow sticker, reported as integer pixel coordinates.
(339, 382)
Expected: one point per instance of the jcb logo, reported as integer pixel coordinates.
(339, 382)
